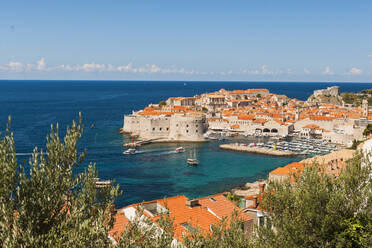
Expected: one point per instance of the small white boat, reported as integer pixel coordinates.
(180, 149)
(130, 151)
(192, 161)
(211, 138)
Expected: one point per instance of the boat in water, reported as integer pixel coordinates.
(130, 151)
(180, 149)
(192, 161)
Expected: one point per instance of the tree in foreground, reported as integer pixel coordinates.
(319, 210)
(49, 204)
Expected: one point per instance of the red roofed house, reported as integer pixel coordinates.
(187, 215)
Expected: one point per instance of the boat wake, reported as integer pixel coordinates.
(156, 152)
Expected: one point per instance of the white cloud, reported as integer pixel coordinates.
(328, 71)
(369, 55)
(306, 71)
(355, 71)
(40, 65)
(91, 67)
(155, 68)
(264, 70)
(15, 66)
(127, 67)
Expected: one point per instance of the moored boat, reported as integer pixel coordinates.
(192, 161)
(130, 151)
(180, 149)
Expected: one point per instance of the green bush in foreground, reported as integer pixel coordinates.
(51, 205)
(320, 210)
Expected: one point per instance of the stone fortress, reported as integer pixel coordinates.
(166, 127)
(331, 91)
(251, 112)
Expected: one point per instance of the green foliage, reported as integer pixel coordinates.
(355, 144)
(367, 91)
(226, 233)
(204, 109)
(315, 211)
(143, 233)
(357, 98)
(355, 233)
(162, 103)
(232, 197)
(51, 205)
(368, 130)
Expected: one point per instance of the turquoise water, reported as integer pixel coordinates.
(158, 171)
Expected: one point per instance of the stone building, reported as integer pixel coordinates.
(166, 127)
(331, 91)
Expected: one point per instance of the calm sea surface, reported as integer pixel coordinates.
(156, 172)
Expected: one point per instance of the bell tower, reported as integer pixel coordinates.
(365, 108)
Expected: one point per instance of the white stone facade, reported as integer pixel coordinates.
(332, 91)
(176, 127)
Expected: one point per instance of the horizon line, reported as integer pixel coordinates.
(186, 81)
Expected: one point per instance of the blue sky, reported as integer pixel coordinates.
(187, 40)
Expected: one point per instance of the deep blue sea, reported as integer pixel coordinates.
(157, 172)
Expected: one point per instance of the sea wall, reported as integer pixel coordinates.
(257, 150)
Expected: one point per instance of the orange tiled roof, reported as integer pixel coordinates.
(120, 222)
(222, 207)
(288, 169)
(246, 117)
(260, 120)
(321, 118)
(235, 126)
(311, 126)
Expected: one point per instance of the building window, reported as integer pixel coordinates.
(197, 125)
(187, 131)
(189, 227)
(196, 131)
(160, 129)
(187, 125)
(153, 129)
(167, 128)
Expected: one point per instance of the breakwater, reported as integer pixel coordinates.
(258, 150)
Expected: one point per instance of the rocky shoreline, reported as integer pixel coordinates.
(247, 189)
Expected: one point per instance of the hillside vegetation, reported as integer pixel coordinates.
(325, 99)
(357, 98)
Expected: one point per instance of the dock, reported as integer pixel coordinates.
(139, 143)
(258, 150)
(102, 183)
